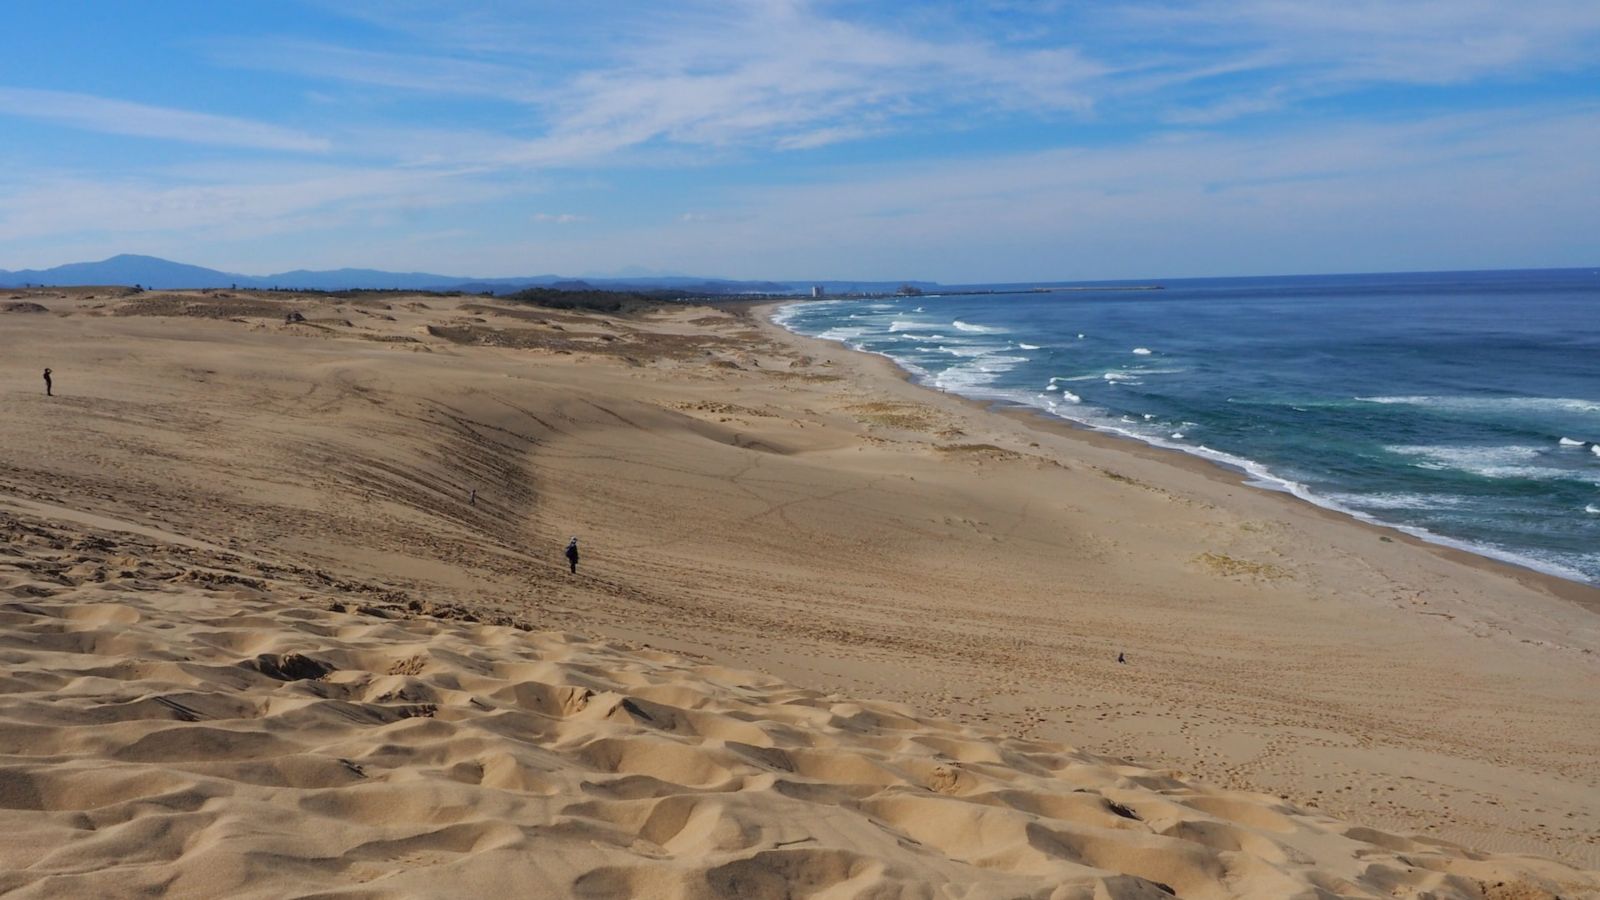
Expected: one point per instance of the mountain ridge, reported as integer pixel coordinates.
(163, 274)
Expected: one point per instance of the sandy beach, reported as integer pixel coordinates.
(832, 635)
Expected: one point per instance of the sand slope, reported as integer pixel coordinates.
(766, 503)
(172, 724)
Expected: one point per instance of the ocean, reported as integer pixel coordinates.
(1461, 407)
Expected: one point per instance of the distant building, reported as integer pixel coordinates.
(818, 290)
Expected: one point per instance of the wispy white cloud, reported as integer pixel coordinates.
(1374, 41)
(231, 200)
(138, 120)
(759, 73)
(429, 73)
(798, 75)
(1371, 196)
(428, 107)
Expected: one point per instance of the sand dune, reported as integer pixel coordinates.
(258, 639)
(171, 724)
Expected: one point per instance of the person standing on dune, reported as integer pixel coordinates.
(572, 554)
(48, 388)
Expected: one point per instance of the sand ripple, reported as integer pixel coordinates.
(166, 733)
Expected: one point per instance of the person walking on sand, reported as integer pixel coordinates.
(49, 390)
(572, 554)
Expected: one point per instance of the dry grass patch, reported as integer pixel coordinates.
(807, 377)
(205, 308)
(721, 409)
(983, 451)
(1229, 566)
(907, 416)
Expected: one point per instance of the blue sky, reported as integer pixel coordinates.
(1009, 140)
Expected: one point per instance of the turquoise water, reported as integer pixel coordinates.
(1461, 407)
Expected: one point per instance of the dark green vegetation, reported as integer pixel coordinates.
(598, 300)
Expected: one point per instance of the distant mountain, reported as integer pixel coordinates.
(152, 272)
(126, 269)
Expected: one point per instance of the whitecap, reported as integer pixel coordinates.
(1491, 462)
(1080, 337)
(976, 329)
(1071, 396)
(982, 370)
(1592, 510)
(843, 335)
(1141, 351)
(1053, 387)
(918, 309)
(1398, 500)
(1569, 442)
(1491, 404)
(1177, 435)
(901, 324)
(1027, 346)
(966, 351)
(1595, 449)
(1120, 378)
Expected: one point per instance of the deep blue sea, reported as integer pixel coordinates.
(1460, 407)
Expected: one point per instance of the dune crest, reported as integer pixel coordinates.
(172, 721)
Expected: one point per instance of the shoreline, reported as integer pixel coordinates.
(757, 502)
(1580, 593)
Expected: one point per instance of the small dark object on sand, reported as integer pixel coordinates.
(291, 667)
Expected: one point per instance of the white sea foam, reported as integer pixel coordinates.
(1491, 462)
(1569, 442)
(1121, 378)
(901, 324)
(974, 376)
(842, 335)
(785, 314)
(1595, 449)
(979, 371)
(1398, 500)
(965, 350)
(1023, 346)
(1492, 404)
(1080, 337)
(975, 329)
(1141, 351)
